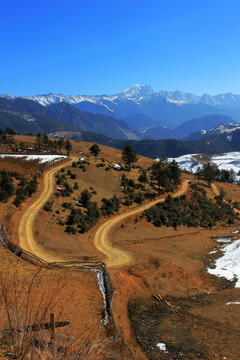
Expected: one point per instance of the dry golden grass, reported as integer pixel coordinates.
(165, 261)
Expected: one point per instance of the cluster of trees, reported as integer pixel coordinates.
(42, 142)
(7, 136)
(6, 185)
(210, 172)
(25, 188)
(66, 189)
(110, 206)
(166, 174)
(136, 192)
(81, 220)
(193, 211)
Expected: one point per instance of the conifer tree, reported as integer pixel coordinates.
(129, 156)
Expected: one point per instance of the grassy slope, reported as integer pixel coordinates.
(171, 263)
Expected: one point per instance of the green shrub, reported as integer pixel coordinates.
(48, 206)
(110, 206)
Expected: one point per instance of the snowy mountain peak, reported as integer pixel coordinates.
(8, 96)
(137, 91)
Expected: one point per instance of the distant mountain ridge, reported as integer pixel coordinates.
(24, 116)
(139, 93)
(202, 123)
(222, 129)
(167, 108)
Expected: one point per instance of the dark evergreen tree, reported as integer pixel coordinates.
(94, 150)
(161, 173)
(68, 146)
(60, 144)
(85, 198)
(38, 141)
(45, 140)
(209, 172)
(129, 156)
(175, 173)
(143, 177)
(9, 131)
(6, 185)
(31, 187)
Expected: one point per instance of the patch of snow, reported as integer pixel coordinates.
(117, 167)
(235, 231)
(233, 303)
(223, 239)
(213, 252)
(162, 347)
(187, 162)
(228, 265)
(103, 291)
(41, 158)
(228, 161)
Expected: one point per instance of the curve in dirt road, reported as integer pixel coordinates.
(115, 256)
(25, 231)
(217, 193)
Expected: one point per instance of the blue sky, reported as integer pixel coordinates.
(102, 46)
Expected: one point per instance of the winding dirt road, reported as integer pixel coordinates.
(116, 257)
(25, 231)
(217, 193)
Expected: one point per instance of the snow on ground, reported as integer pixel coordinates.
(187, 162)
(162, 347)
(117, 166)
(223, 239)
(226, 161)
(229, 161)
(233, 303)
(41, 158)
(228, 265)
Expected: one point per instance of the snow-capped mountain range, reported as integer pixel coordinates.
(226, 129)
(139, 93)
(142, 108)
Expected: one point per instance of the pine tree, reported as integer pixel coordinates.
(68, 146)
(143, 177)
(6, 185)
(94, 150)
(129, 156)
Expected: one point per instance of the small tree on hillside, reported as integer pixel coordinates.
(85, 198)
(94, 150)
(45, 140)
(143, 177)
(68, 146)
(38, 141)
(209, 172)
(60, 144)
(129, 156)
(175, 173)
(6, 185)
(161, 173)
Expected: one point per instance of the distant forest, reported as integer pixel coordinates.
(170, 147)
